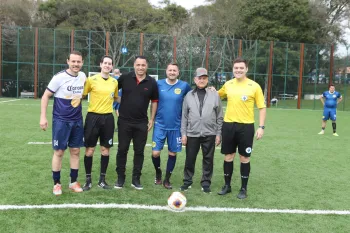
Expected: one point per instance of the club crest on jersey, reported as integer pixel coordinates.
(334, 96)
(177, 91)
(110, 142)
(112, 95)
(244, 98)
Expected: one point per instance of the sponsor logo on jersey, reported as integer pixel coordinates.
(177, 91)
(75, 102)
(75, 89)
(244, 98)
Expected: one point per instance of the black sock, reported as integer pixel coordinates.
(323, 128)
(56, 176)
(104, 165)
(156, 163)
(245, 170)
(228, 170)
(334, 125)
(73, 175)
(88, 165)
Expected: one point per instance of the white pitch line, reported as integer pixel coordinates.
(6, 101)
(114, 143)
(192, 209)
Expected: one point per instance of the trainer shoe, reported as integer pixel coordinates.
(322, 132)
(225, 190)
(206, 189)
(75, 187)
(87, 186)
(103, 184)
(167, 184)
(242, 194)
(185, 187)
(119, 184)
(136, 184)
(158, 179)
(335, 134)
(57, 189)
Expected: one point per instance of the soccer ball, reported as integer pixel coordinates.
(177, 201)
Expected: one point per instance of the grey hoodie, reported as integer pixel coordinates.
(210, 123)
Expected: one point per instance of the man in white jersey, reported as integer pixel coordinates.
(67, 88)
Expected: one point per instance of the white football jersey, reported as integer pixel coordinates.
(68, 92)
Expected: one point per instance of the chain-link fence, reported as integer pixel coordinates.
(296, 74)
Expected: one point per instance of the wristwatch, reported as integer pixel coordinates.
(262, 127)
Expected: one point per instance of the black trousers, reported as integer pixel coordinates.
(192, 149)
(137, 132)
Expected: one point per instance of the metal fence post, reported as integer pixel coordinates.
(301, 72)
(107, 43)
(141, 43)
(240, 48)
(174, 50)
(269, 81)
(0, 60)
(331, 65)
(36, 63)
(207, 54)
(72, 40)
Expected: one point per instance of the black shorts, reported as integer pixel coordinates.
(99, 126)
(237, 135)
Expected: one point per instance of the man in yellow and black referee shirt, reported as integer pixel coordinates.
(238, 127)
(99, 122)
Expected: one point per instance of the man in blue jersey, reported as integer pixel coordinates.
(116, 105)
(330, 99)
(168, 122)
(67, 122)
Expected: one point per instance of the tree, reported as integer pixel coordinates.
(278, 20)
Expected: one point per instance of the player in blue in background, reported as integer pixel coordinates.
(116, 105)
(330, 99)
(168, 122)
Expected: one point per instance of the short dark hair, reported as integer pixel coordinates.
(331, 85)
(140, 57)
(239, 60)
(173, 64)
(74, 52)
(106, 56)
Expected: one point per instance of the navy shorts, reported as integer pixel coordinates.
(67, 134)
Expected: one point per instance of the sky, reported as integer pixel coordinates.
(189, 4)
